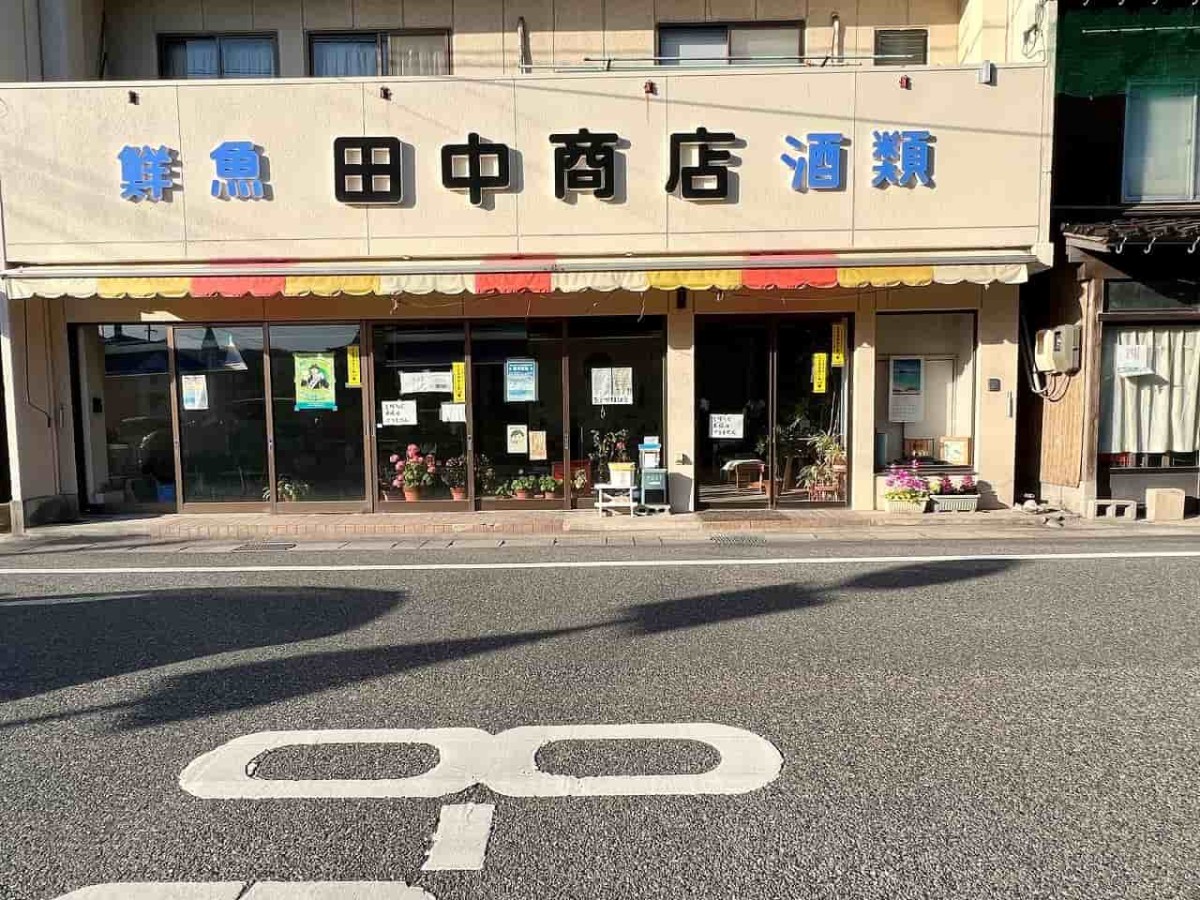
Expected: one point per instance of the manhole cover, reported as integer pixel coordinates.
(265, 545)
(738, 540)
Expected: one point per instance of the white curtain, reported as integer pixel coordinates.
(418, 54)
(337, 58)
(192, 59)
(247, 57)
(1157, 412)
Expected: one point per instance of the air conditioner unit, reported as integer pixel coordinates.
(1057, 349)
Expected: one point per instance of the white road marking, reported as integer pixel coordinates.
(72, 601)
(460, 842)
(714, 563)
(506, 763)
(262, 890)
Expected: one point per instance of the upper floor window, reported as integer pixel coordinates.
(366, 54)
(1160, 142)
(219, 56)
(901, 46)
(706, 45)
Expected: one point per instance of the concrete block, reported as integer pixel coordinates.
(1111, 509)
(1165, 504)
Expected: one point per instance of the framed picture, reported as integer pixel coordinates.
(955, 450)
(919, 448)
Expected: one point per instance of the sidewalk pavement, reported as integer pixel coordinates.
(547, 528)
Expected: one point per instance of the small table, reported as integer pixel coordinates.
(611, 496)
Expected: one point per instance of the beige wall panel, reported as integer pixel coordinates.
(109, 251)
(872, 14)
(869, 238)
(862, 399)
(429, 14)
(679, 10)
(379, 14)
(478, 38)
(443, 247)
(680, 449)
(711, 303)
(784, 10)
(970, 122)
(565, 244)
(930, 298)
(729, 10)
(285, 17)
(629, 28)
(39, 191)
(761, 241)
(303, 206)
(551, 106)
(211, 309)
(578, 30)
(446, 113)
(172, 15)
(539, 24)
(328, 13)
(995, 427)
(764, 194)
(317, 248)
(227, 15)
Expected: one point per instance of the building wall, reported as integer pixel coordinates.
(20, 54)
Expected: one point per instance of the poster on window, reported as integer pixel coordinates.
(520, 381)
(353, 367)
(458, 373)
(727, 426)
(518, 440)
(612, 386)
(195, 392)
(314, 381)
(453, 412)
(1133, 360)
(398, 412)
(820, 373)
(906, 389)
(537, 445)
(426, 382)
(837, 356)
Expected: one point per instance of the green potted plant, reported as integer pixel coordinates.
(949, 495)
(906, 491)
(523, 486)
(610, 456)
(454, 474)
(288, 489)
(551, 486)
(417, 471)
(824, 478)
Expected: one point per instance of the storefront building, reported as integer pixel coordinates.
(436, 291)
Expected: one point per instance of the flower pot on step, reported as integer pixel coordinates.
(955, 502)
(458, 493)
(908, 507)
(521, 495)
(412, 494)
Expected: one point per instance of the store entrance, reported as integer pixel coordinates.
(771, 409)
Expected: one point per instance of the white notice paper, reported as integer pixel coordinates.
(427, 382)
(612, 387)
(454, 412)
(727, 426)
(399, 412)
(1133, 360)
(195, 392)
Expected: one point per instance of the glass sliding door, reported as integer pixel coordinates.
(420, 415)
(222, 414)
(317, 414)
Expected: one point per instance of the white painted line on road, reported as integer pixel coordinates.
(260, 890)
(506, 763)
(714, 563)
(460, 842)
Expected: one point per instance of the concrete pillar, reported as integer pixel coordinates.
(681, 405)
(998, 368)
(862, 406)
(70, 39)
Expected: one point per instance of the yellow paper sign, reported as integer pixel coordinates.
(353, 367)
(459, 370)
(838, 356)
(820, 372)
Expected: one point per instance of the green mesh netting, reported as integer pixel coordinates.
(1092, 64)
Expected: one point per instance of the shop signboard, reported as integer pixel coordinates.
(398, 412)
(458, 372)
(315, 388)
(727, 426)
(906, 389)
(837, 356)
(820, 372)
(353, 367)
(520, 380)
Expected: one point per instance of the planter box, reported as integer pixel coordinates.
(906, 506)
(955, 502)
(621, 474)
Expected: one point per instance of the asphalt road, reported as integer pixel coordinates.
(988, 727)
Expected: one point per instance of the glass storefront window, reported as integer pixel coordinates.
(1123, 296)
(925, 389)
(616, 375)
(125, 387)
(416, 407)
(517, 403)
(222, 414)
(317, 410)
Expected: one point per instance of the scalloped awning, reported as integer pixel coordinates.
(539, 282)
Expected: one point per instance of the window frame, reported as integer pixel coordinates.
(728, 25)
(876, 32)
(1194, 171)
(381, 36)
(169, 37)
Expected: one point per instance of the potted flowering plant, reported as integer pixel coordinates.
(950, 495)
(523, 486)
(907, 491)
(551, 486)
(416, 471)
(454, 474)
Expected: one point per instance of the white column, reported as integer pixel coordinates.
(997, 366)
(862, 416)
(681, 405)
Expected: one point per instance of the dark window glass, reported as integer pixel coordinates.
(318, 413)
(222, 413)
(901, 46)
(1133, 295)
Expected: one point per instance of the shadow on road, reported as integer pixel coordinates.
(58, 646)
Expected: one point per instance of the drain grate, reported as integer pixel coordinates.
(738, 540)
(262, 546)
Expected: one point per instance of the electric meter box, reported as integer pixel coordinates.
(1057, 349)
